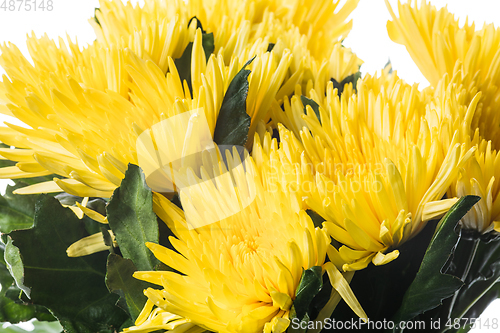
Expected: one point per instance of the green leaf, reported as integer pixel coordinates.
(316, 218)
(96, 204)
(120, 281)
(15, 265)
(95, 16)
(310, 284)
(131, 217)
(16, 211)
(183, 64)
(315, 106)
(207, 40)
(12, 309)
(6, 280)
(18, 311)
(380, 289)
(482, 284)
(353, 78)
(233, 121)
(430, 285)
(72, 288)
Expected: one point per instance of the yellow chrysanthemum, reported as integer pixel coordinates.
(87, 108)
(380, 166)
(439, 46)
(460, 62)
(240, 253)
(304, 39)
(479, 174)
(146, 29)
(480, 177)
(52, 97)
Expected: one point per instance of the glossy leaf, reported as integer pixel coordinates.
(12, 309)
(15, 265)
(430, 285)
(95, 16)
(316, 218)
(310, 285)
(120, 281)
(72, 288)
(233, 121)
(16, 211)
(483, 276)
(131, 217)
(183, 64)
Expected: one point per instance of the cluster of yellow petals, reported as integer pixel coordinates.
(240, 273)
(371, 165)
(375, 160)
(460, 61)
(84, 109)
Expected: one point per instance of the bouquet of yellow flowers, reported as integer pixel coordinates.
(223, 166)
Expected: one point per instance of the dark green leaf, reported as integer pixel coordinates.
(16, 211)
(183, 64)
(207, 40)
(233, 122)
(72, 288)
(353, 79)
(431, 286)
(270, 47)
(479, 290)
(68, 199)
(315, 106)
(6, 163)
(380, 289)
(322, 297)
(131, 217)
(310, 284)
(95, 16)
(120, 281)
(15, 266)
(12, 309)
(96, 204)
(6, 280)
(316, 218)
(17, 311)
(198, 23)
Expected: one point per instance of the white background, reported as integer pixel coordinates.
(368, 39)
